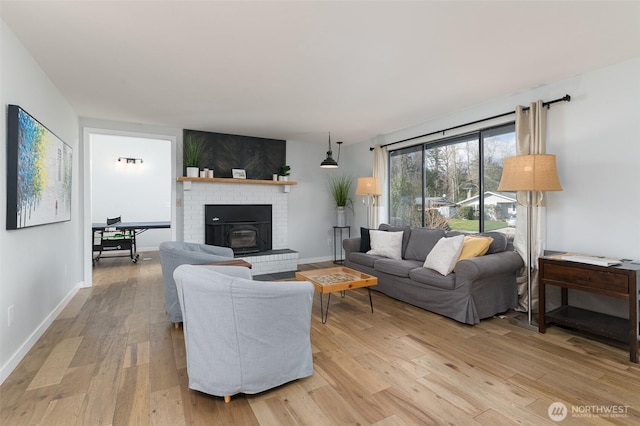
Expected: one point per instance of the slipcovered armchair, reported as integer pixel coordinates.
(243, 336)
(176, 253)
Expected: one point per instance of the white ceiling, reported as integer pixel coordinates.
(298, 69)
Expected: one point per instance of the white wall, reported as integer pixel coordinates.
(135, 192)
(359, 161)
(40, 267)
(596, 139)
(312, 213)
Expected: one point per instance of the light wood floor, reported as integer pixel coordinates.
(112, 357)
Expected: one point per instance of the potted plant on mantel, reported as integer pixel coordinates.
(192, 154)
(339, 186)
(284, 172)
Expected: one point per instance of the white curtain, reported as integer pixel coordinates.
(380, 171)
(530, 139)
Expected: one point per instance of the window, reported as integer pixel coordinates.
(452, 183)
(405, 186)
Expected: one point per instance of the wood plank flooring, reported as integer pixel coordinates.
(113, 358)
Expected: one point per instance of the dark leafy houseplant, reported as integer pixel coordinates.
(340, 186)
(285, 170)
(193, 150)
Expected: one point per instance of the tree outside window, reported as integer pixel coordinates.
(452, 183)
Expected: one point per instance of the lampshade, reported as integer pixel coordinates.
(534, 172)
(368, 186)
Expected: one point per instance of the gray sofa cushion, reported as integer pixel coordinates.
(421, 242)
(498, 245)
(433, 278)
(405, 237)
(399, 268)
(364, 259)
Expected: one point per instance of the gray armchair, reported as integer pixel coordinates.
(176, 253)
(243, 336)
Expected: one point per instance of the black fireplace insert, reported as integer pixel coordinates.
(245, 228)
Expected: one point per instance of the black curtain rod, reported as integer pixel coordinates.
(565, 98)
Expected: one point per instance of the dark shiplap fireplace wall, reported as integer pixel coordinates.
(259, 157)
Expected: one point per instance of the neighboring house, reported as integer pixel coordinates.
(504, 204)
(445, 207)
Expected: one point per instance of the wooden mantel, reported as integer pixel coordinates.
(231, 180)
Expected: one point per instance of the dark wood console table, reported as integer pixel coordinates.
(621, 281)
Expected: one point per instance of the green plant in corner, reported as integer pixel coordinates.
(339, 186)
(192, 152)
(285, 170)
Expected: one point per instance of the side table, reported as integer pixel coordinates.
(621, 282)
(338, 259)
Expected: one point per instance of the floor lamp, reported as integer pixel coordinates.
(370, 188)
(530, 173)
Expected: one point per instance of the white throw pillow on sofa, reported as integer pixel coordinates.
(386, 243)
(444, 255)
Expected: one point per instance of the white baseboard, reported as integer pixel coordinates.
(143, 249)
(15, 359)
(315, 259)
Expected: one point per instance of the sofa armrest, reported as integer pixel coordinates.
(351, 245)
(469, 270)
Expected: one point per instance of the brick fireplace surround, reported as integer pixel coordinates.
(280, 259)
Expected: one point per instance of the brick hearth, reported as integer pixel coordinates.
(281, 259)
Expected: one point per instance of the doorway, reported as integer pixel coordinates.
(130, 176)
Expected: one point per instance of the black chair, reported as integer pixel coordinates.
(114, 220)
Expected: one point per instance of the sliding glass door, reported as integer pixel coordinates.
(405, 186)
(451, 183)
(499, 207)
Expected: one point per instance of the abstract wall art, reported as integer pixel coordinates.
(38, 173)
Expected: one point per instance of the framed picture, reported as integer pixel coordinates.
(38, 173)
(239, 173)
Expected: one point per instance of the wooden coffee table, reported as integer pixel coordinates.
(340, 279)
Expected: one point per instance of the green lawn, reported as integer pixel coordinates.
(473, 225)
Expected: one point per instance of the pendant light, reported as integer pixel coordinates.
(329, 162)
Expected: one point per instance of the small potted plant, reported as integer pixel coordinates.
(192, 155)
(339, 186)
(284, 172)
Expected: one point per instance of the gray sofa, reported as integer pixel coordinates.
(480, 287)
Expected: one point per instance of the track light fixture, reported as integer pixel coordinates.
(129, 160)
